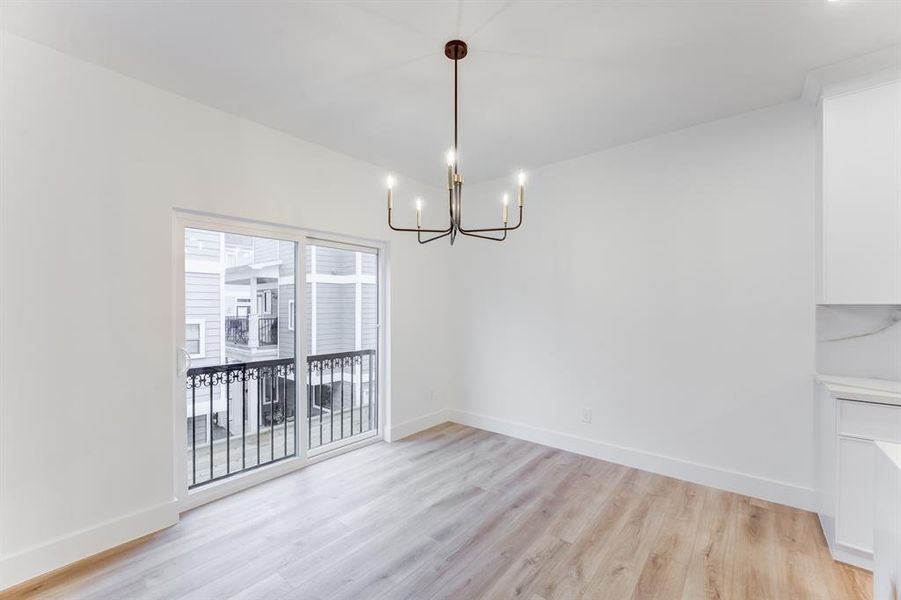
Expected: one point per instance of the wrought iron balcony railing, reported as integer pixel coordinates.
(243, 415)
(341, 387)
(258, 403)
(268, 331)
(238, 331)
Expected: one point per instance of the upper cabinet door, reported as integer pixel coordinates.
(861, 212)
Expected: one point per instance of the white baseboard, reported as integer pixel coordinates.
(853, 556)
(64, 550)
(715, 477)
(846, 554)
(33, 562)
(402, 430)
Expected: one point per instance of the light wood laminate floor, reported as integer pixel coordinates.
(456, 512)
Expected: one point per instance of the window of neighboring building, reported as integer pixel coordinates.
(195, 342)
(291, 315)
(264, 303)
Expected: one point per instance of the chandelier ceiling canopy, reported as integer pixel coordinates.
(456, 50)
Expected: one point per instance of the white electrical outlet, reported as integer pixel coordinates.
(586, 415)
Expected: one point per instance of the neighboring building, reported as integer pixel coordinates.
(240, 307)
(239, 291)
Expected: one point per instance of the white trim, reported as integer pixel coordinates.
(741, 483)
(358, 302)
(222, 296)
(304, 242)
(66, 549)
(337, 450)
(329, 278)
(300, 346)
(332, 448)
(407, 428)
(844, 553)
(292, 316)
(201, 328)
(314, 330)
(240, 481)
(188, 219)
(854, 73)
(342, 242)
(383, 285)
(203, 266)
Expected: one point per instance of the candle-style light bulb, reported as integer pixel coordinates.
(506, 203)
(419, 212)
(389, 181)
(522, 183)
(451, 161)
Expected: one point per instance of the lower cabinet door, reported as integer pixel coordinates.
(856, 493)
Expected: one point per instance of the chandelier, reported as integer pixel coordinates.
(456, 51)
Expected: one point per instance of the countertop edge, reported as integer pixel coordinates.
(863, 390)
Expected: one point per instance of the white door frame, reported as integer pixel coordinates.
(346, 243)
(186, 500)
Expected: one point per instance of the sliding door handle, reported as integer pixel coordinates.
(187, 361)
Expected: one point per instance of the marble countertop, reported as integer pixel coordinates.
(893, 451)
(882, 391)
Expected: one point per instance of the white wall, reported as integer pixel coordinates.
(667, 285)
(93, 164)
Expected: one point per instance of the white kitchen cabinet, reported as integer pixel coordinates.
(887, 540)
(855, 494)
(854, 415)
(860, 228)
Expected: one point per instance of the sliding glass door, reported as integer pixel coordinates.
(280, 354)
(241, 397)
(342, 339)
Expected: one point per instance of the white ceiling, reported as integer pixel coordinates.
(543, 81)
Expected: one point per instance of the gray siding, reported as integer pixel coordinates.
(285, 335)
(369, 329)
(285, 293)
(202, 245)
(335, 262)
(307, 316)
(334, 317)
(202, 298)
(336, 302)
(202, 301)
(369, 264)
(265, 250)
(244, 242)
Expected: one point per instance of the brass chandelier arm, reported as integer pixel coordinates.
(433, 238)
(489, 229)
(416, 229)
(486, 237)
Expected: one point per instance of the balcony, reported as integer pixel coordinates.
(243, 415)
(250, 336)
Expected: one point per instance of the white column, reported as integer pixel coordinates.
(313, 332)
(253, 320)
(358, 304)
